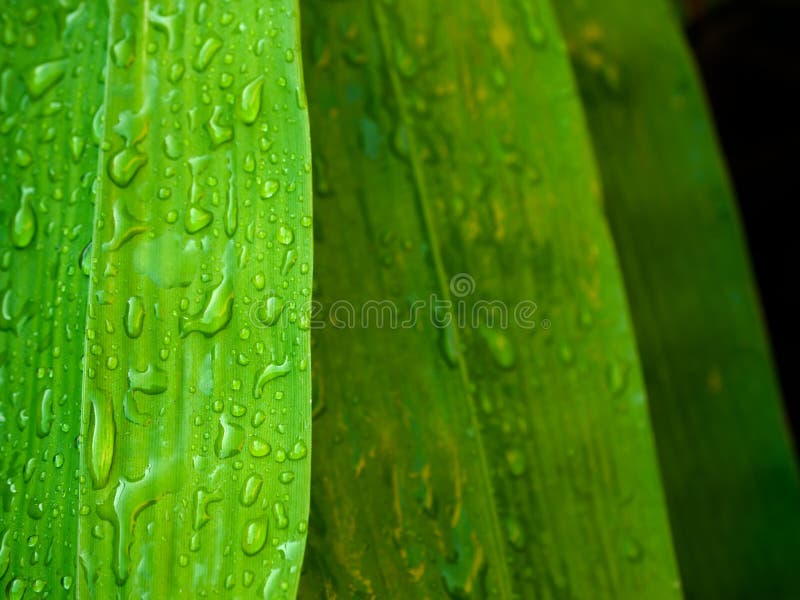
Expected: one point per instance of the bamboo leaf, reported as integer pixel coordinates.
(728, 466)
(49, 95)
(196, 413)
(473, 461)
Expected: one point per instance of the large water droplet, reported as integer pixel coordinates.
(124, 165)
(218, 311)
(206, 53)
(44, 76)
(279, 512)
(271, 371)
(250, 101)
(102, 432)
(251, 489)
(230, 439)
(270, 188)
(23, 224)
(197, 218)
(255, 535)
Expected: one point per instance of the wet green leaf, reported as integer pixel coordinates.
(193, 408)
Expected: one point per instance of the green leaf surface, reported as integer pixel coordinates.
(472, 461)
(50, 93)
(728, 467)
(196, 402)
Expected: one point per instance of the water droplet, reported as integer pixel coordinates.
(152, 381)
(249, 164)
(202, 501)
(197, 218)
(279, 512)
(250, 101)
(85, 261)
(270, 188)
(206, 53)
(270, 311)
(44, 76)
(172, 146)
(289, 261)
(23, 224)
(134, 317)
(255, 535)
(124, 165)
(15, 590)
(45, 414)
(298, 451)
(271, 371)
(5, 552)
(230, 439)
(76, 147)
(285, 235)
(218, 132)
(251, 489)
(259, 281)
(219, 309)
(259, 448)
(123, 50)
(23, 157)
(102, 432)
(258, 418)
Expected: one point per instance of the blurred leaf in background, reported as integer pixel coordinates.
(724, 449)
(475, 461)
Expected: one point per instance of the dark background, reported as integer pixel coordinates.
(749, 57)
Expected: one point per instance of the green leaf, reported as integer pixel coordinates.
(196, 411)
(49, 96)
(472, 461)
(728, 467)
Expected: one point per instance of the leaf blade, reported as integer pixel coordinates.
(195, 481)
